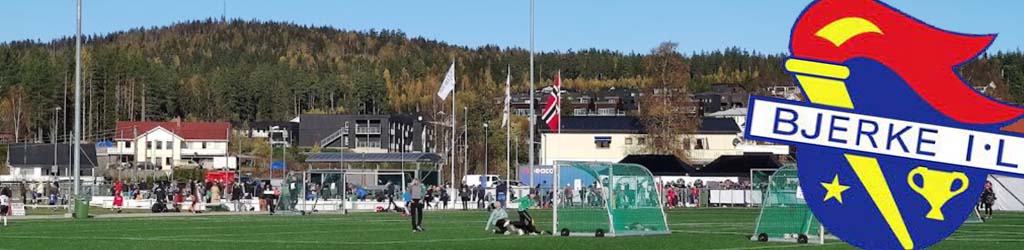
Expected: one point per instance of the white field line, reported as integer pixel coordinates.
(983, 239)
(260, 241)
(145, 228)
(781, 246)
(318, 231)
(710, 232)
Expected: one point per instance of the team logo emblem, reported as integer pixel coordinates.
(893, 147)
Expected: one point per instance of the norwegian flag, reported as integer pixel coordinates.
(553, 111)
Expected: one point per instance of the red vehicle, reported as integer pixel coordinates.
(225, 177)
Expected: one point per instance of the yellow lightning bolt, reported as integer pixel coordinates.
(839, 31)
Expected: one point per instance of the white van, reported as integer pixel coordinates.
(474, 179)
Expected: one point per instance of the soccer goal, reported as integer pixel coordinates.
(291, 193)
(606, 199)
(974, 217)
(784, 214)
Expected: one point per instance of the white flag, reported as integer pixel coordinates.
(449, 83)
(508, 98)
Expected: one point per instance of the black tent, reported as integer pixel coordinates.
(739, 165)
(661, 165)
(35, 155)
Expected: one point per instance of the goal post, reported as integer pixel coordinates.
(784, 213)
(606, 199)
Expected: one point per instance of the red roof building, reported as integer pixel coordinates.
(166, 145)
(189, 131)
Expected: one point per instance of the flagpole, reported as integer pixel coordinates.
(453, 131)
(508, 127)
(465, 143)
(558, 92)
(533, 115)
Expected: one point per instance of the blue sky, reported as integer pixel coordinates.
(628, 26)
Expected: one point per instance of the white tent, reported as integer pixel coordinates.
(1009, 193)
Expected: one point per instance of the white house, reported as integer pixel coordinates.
(749, 146)
(611, 139)
(165, 145)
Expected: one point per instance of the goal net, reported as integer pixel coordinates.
(606, 199)
(291, 193)
(784, 213)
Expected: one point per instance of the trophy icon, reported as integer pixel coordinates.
(936, 188)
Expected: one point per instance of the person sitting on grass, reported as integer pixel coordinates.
(498, 219)
(502, 225)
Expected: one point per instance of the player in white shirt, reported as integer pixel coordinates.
(5, 204)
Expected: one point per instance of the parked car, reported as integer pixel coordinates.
(512, 183)
(474, 179)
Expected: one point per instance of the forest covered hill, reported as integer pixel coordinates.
(246, 71)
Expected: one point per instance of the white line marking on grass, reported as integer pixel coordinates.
(264, 241)
(983, 239)
(710, 232)
(214, 225)
(705, 223)
(992, 225)
(984, 232)
(319, 231)
(780, 246)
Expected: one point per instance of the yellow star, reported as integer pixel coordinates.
(834, 189)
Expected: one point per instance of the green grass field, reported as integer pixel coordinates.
(692, 229)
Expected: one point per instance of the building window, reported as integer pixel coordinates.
(128, 144)
(184, 145)
(149, 145)
(170, 144)
(700, 144)
(167, 161)
(603, 142)
(204, 145)
(159, 145)
(629, 141)
(606, 111)
(579, 112)
(641, 141)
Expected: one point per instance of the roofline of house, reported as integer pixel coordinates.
(213, 140)
(592, 131)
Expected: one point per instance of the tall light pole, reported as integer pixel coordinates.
(486, 149)
(533, 115)
(79, 209)
(53, 137)
(465, 144)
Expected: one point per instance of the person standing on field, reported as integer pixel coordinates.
(118, 197)
(391, 196)
(481, 194)
(416, 208)
(236, 196)
(464, 194)
(445, 197)
(988, 199)
(5, 204)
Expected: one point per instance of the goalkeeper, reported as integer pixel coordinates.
(525, 220)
